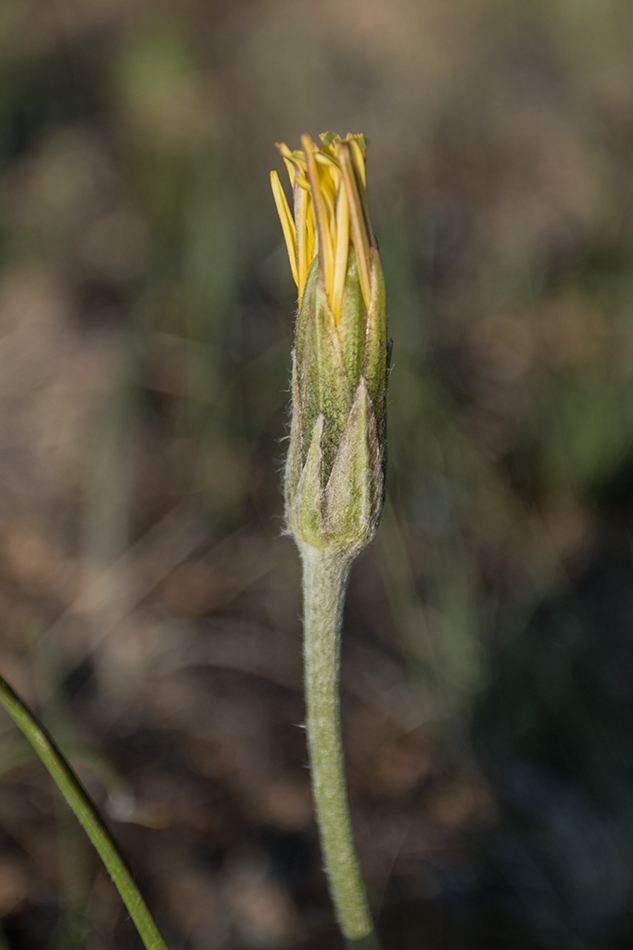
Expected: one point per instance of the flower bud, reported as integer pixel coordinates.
(335, 471)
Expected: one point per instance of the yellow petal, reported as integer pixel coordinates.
(341, 253)
(326, 253)
(304, 225)
(358, 227)
(287, 224)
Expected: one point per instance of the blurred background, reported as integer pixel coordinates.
(150, 606)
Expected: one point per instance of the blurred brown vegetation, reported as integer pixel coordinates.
(150, 604)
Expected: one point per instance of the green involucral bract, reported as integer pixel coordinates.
(336, 461)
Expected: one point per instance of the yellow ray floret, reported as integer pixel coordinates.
(329, 184)
(287, 223)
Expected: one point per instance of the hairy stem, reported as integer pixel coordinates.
(86, 814)
(324, 583)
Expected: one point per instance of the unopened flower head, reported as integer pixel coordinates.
(335, 469)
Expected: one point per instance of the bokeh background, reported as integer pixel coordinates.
(150, 605)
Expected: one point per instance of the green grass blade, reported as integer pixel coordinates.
(85, 812)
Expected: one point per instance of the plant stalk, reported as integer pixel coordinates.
(325, 576)
(85, 812)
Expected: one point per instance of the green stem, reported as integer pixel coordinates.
(86, 814)
(324, 583)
